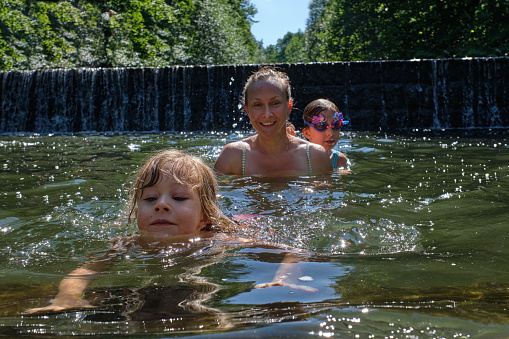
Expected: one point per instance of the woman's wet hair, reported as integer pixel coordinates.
(187, 170)
(267, 73)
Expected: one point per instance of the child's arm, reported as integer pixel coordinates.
(71, 288)
(290, 129)
(342, 164)
(70, 292)
(288, 269)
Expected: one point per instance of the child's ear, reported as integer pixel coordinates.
(306, 133)
(204, 221)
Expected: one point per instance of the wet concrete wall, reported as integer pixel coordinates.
(386, 96)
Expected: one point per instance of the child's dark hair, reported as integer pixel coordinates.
(316, 107)
(187, 170)
(267, 73)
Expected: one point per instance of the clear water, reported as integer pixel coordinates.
(411, 244)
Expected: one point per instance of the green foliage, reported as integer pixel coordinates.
(314, 30)
(232, 41)
(344, 30)
(404, 29)
(38, 34)
(122, 33)
(290, 49)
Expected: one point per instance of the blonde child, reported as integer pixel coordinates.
(175, 197)
(174, 200)
(323, 122)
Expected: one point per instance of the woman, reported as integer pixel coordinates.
(267, 101)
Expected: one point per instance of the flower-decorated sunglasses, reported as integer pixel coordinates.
(319, 122)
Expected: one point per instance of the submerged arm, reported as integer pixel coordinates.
(287, 270)
(70, 292)
(71, 288)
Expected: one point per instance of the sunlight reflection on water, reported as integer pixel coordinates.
(415, 234)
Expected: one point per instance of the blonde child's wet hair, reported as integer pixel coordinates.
(190, 172)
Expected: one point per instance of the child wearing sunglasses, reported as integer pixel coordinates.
(323, 121)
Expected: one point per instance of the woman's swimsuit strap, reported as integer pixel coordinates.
(310, 168)
(243, 158)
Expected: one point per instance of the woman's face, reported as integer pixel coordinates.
(268, 107)
(329, 138)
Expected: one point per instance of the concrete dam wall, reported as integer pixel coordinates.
(374, 96)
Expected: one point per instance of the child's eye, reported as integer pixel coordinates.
(179, 198)
(150, 199)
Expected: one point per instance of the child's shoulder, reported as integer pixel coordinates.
(122, 243)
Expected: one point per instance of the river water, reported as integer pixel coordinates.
(412, 243)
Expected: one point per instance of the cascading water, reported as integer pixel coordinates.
(386, 95)
(438, 93)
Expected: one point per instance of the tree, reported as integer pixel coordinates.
(290, 49)
(404, 29)
(221, 33)
(119, 33)
(314, 29)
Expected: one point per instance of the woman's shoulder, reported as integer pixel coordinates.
(237, 146)
(314, 147)
(299, 143)
(319, 157)
(229, 160)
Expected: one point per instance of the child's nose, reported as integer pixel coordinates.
(162, 205)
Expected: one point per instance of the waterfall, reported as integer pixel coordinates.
(489, 93)
(440, 95)
(383, 95)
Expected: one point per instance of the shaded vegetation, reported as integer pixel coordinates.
(38, 34)
(118, 33)
(353, 30)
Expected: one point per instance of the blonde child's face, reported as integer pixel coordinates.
(170, 209)
(267, 107)
(329, 138)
